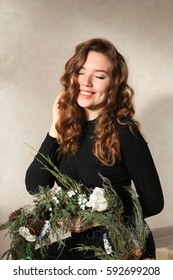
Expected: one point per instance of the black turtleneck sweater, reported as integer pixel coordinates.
(136, 165)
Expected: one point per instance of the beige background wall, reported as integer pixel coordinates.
(36, 39)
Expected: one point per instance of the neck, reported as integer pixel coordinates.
(90, 115)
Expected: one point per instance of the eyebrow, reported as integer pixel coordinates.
(97, 70)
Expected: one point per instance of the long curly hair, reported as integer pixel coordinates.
(118, 108)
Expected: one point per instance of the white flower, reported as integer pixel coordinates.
(82, 206)
(82, 201)
(24, 232)
(97, 200)
(71, 193)
(55, 200)
(55, 189)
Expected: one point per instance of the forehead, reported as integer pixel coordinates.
(97, 62)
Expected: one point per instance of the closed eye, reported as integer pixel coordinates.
(100, 77)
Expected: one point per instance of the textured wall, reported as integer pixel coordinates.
(38, 36)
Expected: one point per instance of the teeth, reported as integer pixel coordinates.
(86, 93)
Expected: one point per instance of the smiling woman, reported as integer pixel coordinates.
(95, 82)
(94, 132)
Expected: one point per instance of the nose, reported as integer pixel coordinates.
(86, 81)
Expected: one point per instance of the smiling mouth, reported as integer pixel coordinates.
(86, 93)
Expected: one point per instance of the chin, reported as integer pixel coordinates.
(83, 103)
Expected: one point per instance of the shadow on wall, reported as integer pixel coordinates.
(157, 126)
(159, 111)
(158, 129)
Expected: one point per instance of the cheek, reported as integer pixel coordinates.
(79, 79)
(104, 97)
(105, 87)
(105, 90)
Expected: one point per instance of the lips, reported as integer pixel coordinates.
(86, 93)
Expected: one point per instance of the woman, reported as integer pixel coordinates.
(94, 131)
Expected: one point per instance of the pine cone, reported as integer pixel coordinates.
(35, 226)
(13, 216)
(134, 254)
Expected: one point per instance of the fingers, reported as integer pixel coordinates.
(56, 102)
(56, 108)
(60, 223)
(53, 131)
(77, 227)
(58, 97)
(80, 228)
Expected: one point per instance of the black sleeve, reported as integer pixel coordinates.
(142, 170)
(37, 176)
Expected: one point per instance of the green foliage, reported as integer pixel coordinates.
(55, 210)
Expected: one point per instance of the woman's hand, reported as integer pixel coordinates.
(55, 111)
(77, 227)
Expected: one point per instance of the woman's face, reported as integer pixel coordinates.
(94, 83)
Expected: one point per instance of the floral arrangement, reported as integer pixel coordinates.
(53, 211)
